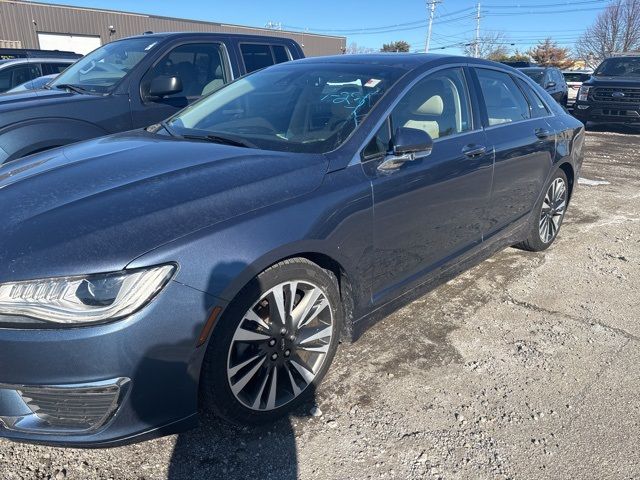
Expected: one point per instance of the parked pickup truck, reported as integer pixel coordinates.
(612, 94)
(131, 83)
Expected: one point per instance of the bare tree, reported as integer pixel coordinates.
(492, 46)
(617, 29)
(550, 54)
(355, 48)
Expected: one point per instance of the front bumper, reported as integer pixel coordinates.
(110, 384)
(606, 113)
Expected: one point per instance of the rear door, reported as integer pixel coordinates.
(428, 210)
(523, 142)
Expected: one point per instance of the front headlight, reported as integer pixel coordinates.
(583, 93)
(83, 299)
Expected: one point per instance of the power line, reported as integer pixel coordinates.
(545, 5)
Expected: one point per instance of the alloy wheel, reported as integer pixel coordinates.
(280, 345)
(553, 208)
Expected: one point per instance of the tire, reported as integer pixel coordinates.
(249, 341)
(540, 238)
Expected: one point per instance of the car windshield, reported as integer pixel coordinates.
(576, 77)
(535, 75)
(619, 67)
(310, 108)
(103, 68)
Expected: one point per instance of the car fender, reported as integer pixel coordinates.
(35, 135)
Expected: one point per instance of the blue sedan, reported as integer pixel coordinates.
(217, 259)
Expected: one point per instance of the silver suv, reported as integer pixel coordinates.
(17, 71)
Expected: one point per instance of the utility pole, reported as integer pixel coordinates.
(431, 4)
(477, 42)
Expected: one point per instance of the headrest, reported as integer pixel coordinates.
(433, 106)
(218, 72)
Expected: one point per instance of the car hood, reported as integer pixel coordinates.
(595, 81)
(96, 205)
(38, 98)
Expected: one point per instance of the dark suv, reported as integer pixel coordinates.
(612, 95)
(552, 80)
(131, 83)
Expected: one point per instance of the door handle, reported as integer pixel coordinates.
(474, 151)
(542, 133)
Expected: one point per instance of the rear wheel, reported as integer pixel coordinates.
(274, 343)
(548, 215)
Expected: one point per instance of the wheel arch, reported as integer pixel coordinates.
(567, 168)
(323, 260)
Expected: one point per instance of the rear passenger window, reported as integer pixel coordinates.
(505, 102)
(256, 56)
(280, 53)
(538, 108)
(53, 68)
(438, 104)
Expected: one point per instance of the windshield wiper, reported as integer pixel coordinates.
(217, 138)
(73, 88)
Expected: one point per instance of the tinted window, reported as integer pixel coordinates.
(536, 75)
(438, 104)
(505, 102)
(13, 76)
(576, 77)
(280, 53)
(198, 65)
(538, 108)
(296, 108)
(51, 68)
(379, 144)
(256, 56)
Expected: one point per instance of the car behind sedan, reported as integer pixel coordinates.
(217, 258)
(574, 80)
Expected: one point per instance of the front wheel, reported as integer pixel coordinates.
(274, 343)
(547, 217)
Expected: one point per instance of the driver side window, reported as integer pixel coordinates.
(199, 66)
(437, 104)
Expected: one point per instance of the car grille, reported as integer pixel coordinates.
(81, 409)
(616, 94)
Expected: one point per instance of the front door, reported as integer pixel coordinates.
(428, 210)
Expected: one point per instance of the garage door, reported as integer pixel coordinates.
(82, 44)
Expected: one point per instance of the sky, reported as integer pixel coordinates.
(370, 23)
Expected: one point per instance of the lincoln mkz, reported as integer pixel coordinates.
(214, 261)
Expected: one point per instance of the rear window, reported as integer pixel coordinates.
(576, 77)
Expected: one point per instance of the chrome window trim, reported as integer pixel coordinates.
(357, 157)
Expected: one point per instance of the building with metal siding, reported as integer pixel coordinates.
(25, 24)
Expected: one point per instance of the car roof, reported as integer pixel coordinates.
(408, 61)
(534, 69)
(167, 35)
(11, 61)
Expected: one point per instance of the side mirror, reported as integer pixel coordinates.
(408, 145)
(164, 85)
(550, 85)
(410, 141)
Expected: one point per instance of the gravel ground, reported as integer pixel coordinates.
(526, 366)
